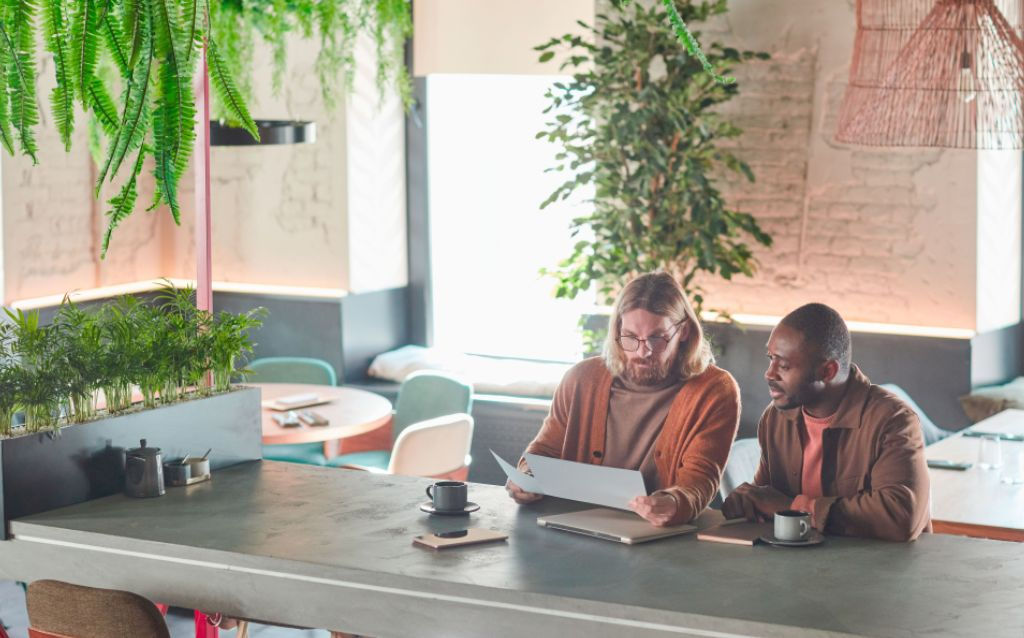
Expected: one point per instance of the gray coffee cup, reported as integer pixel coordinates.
(792, 525)
(448, 496)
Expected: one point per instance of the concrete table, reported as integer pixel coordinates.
(349, 411)
(321, 547)
(974, 502)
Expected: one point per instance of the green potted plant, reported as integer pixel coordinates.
(69, 447)
(637, 122)
(9, 381)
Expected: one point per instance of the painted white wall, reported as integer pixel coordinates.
(374, 158)
(999, 239)
(491, 36)
(325, 215)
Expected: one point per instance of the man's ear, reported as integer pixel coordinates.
(829, 370)
(684, 332)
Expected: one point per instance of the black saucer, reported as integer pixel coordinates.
(428, 507)
(815, 538)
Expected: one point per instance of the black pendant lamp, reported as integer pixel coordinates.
(271, 132)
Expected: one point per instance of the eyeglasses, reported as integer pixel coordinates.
(656, 343)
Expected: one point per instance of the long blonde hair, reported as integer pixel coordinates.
(659, 294)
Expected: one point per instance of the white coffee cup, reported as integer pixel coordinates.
(792, 525)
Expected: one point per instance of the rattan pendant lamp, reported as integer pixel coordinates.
(942, 73)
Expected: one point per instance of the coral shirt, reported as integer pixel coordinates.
(810, 479)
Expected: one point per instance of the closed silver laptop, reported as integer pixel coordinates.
(612, 525)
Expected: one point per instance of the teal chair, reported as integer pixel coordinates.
(424, 395)
(293, 370)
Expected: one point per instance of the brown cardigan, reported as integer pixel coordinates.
(874, 474)
(691, 451)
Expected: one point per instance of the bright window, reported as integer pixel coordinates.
(488, 237)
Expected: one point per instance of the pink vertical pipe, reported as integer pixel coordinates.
(204, 234)
(204, 221)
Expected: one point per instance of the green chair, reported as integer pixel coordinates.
(293, 370)
(424, 395)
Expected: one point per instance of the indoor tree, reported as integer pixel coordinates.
(637, 122)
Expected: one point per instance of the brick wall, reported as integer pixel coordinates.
(51, 226)
(881, 234)
(280, 214)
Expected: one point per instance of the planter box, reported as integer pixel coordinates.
(43, 471)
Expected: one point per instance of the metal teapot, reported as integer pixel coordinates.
(144, 471)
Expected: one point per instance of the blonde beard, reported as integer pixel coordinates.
(653, 375)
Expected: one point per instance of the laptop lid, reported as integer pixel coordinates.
(612, 525)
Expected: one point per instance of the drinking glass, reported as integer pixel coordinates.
(990, 454)
(1013, 470)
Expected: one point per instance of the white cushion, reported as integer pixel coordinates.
(489, 375)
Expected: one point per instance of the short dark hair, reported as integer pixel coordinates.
(823, 329)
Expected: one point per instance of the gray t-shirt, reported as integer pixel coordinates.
(636, 414)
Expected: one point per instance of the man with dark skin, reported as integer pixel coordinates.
(833, 444)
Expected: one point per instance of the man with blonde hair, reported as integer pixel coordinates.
(655, 402)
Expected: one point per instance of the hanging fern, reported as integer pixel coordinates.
(336, 24)
(148, 51)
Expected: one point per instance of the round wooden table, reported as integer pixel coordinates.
(351, 412)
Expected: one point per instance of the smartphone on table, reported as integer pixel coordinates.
(942, 464)
(458, 538)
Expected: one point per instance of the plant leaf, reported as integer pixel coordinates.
(194, 12)
(227, 92)
(134, 118)
(103, 107)
(85, 36)
(123, 203)
(116, 44)
(62, 102)
(19, 38)
(134, 28)
(6, 134)
(174, 133)
(174, 114)
(692, 46)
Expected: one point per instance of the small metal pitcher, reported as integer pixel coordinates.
(144, 471)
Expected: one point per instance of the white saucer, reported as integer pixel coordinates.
(815, 538)
(428, 507)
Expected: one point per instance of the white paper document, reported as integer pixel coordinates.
(525, 481)
(608, 486)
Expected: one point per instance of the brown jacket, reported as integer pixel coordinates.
(874, 474)
(691, 450)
